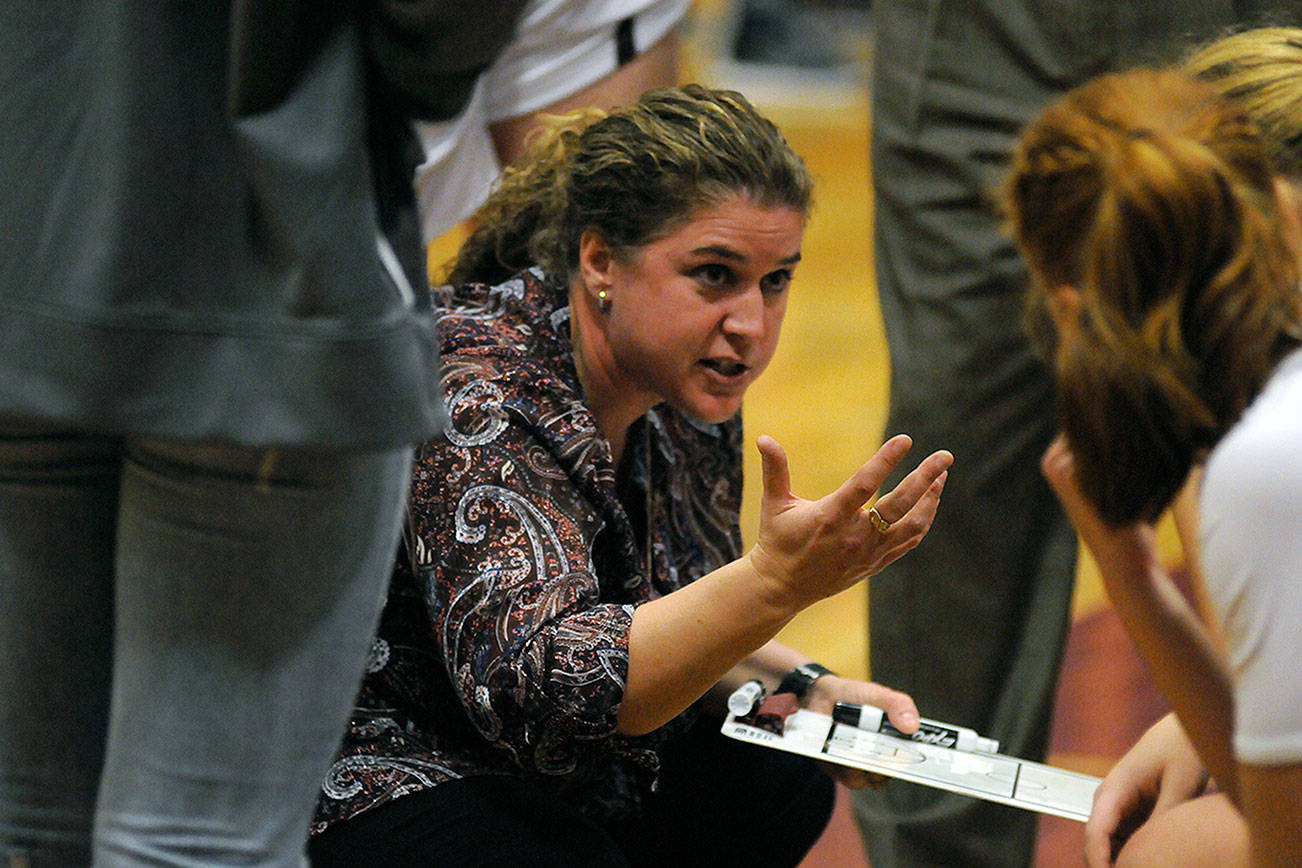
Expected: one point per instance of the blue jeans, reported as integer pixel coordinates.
(182, 630)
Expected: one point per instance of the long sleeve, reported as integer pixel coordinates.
(503, 647)
(535, 655)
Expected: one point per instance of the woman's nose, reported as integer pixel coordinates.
(745, 314)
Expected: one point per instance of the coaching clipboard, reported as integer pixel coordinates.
(990, 776)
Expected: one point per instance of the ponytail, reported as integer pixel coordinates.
(520, 224)
(1155, 200)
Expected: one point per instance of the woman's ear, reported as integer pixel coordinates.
(1064, 306)
(595, 264)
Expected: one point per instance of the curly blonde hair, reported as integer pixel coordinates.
(1260, 71)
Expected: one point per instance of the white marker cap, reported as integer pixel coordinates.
(744, 699)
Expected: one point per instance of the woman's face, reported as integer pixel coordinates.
(695, 315)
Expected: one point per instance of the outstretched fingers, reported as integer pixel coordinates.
(905, 532)
(774, 469)
(915, 499)
(821, 547)
(864, 482)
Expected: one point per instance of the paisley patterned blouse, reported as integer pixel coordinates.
(503, 647)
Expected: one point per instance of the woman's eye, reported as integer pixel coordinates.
(714, 275)
(776, 282)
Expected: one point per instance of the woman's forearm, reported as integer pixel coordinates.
(768, 664)
(681, 645)
(1185, 665)
(1164, 627)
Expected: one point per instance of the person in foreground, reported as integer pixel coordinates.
(215, 371)
(573, 581)
(953, 82)
(1164, 248)
(1163, 777)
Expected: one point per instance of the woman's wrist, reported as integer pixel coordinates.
(770, 587)
(801, 678)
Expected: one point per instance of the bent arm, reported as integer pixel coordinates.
(656, 67)
(1168, 633)
(682, 644)
(1183, 660)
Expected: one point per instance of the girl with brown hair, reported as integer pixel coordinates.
(1163, 243)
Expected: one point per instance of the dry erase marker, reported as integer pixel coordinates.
(873, 719)
(745, 698)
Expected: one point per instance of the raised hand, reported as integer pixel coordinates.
(811, 549)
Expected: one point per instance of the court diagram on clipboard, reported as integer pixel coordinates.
(991, 776)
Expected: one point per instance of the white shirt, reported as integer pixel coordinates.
(1251, 534)
(559, 48)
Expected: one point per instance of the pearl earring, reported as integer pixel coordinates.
(603, 301)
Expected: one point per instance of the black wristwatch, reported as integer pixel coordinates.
(800, 679)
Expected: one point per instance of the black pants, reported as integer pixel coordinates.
(720, 802)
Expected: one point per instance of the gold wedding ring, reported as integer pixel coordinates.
(878, 522)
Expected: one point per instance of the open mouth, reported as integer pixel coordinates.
(726, 367)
